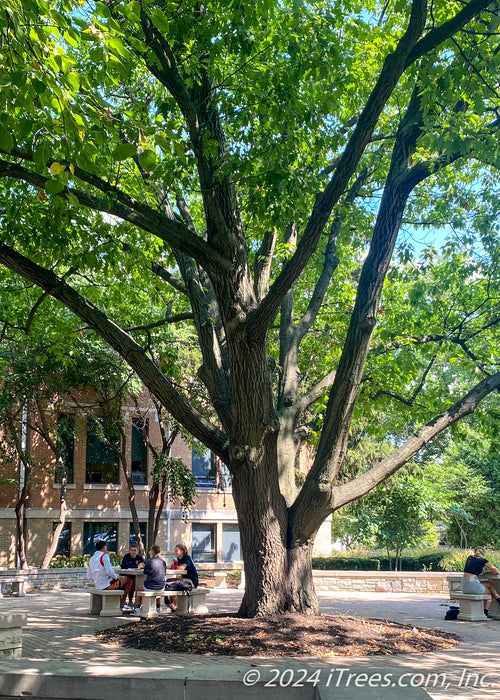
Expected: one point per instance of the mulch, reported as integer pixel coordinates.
(289, 635)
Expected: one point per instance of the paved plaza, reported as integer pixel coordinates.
(60, 636)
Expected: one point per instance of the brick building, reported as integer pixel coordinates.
(97, 499)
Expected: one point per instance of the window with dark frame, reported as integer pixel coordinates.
(203, 542)
(231, 546)
(64, 541)
(65, 446)
(203, 467)
(92, 532)
(102, 461)
(139, 461)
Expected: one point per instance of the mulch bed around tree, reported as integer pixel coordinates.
(287, 635)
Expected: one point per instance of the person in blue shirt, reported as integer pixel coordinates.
(184, 562)
(132, 560)
(471, 584)
(155, 569)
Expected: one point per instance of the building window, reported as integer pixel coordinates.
(102, 460)
(139, 452)
(203, 467)
(64, 543)
(231, 547)
(92, 532)
(133, 538)
(203, 542)
(66, 445)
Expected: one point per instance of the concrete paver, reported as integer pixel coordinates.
(60, 634)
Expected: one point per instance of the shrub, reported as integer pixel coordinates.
(345, 563)
(64, 562)
(415, 560)
(454, 560)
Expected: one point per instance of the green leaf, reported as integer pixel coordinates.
(147, 159)
(160, 20)
(72, 37)
(72, 199)
(39, 86)
(73, 81)
(102, 10)
(53, 186)
(132, 11)
(137, 45)
(124, 151)
(41, 155)
(6, 140)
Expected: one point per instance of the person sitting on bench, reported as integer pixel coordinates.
(102, 573)
(132, 560)
(471, 585)
(155, 570)
(184, 562)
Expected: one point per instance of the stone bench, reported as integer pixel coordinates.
(188, 602)
(11, 644)
(219, 576)
(105, 603)
(17, 583)
(471, 606)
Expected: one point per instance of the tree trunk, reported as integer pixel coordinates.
(388, 550)
(161, 506)
(20, 540)
(133, 508)
(278, 573)
(60, 524)
(152, 498)
(300, 593)
(130, 487)
(262, 518)
(287, 452)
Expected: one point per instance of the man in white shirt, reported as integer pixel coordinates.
(100, 570)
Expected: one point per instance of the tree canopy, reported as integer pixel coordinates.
(227, 181)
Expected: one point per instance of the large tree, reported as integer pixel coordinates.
(257, 159)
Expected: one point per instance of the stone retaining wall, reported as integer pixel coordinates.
(421, 582)
(50, 579)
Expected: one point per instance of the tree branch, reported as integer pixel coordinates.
(408, 50)
(315, 392)
(167, 276)
(209, 326)
(123, 343)
(196, 105)
(344, 493)
(184, 316)
(140, 215)
(331, 260)
(263, 262)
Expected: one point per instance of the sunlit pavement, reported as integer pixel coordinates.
(59, 628)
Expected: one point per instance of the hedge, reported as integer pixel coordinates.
(63, 562)
(442, 560)
(346, 563)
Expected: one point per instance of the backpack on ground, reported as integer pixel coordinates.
(452, 613)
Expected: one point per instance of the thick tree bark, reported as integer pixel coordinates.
(300, 593)
(262, 517)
